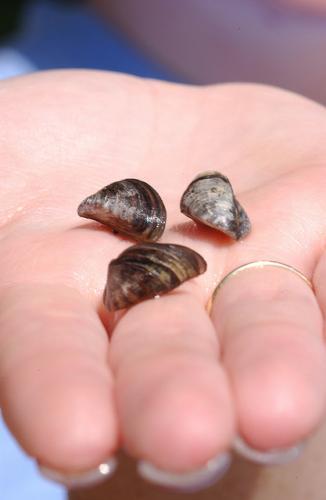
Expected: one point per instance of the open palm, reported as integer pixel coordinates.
(169, 385)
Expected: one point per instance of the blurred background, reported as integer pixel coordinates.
(45, 34)
(277, 42)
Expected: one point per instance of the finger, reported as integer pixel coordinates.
(270, 327)
(173, 400)
(56, 390)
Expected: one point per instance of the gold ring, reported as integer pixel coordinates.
(260, 264)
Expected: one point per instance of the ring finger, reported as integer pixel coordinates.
(270, 328)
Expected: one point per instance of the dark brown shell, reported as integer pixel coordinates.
(144, 271)
(210, 199)
(131, 207)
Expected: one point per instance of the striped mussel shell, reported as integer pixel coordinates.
(209, 199)
(148, 270)
(130, 207)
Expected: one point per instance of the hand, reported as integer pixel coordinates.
(170, 387)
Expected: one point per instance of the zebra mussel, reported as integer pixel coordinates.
(130, 207)
(133, 208)
(209, 199)
(148, 270)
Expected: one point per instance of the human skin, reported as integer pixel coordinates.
(299, 480)
(167, 384)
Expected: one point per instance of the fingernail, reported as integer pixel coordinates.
(81, 479)
(276, 456)
(191, 481)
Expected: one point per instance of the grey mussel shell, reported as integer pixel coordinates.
(131, 207)
(209, 199)
(144, 271)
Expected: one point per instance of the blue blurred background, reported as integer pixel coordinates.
(58, 35)
(68, 35)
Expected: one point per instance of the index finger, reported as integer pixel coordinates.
(56, 388)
